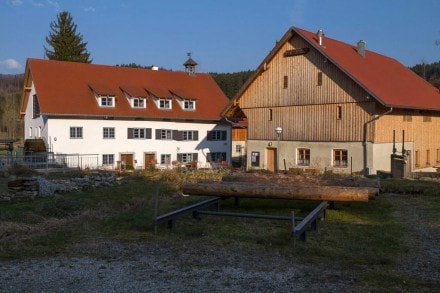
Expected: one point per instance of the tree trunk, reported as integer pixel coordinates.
(268, 190)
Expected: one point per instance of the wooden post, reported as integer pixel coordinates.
(270, 190)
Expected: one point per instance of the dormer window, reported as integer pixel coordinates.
(164, 103)
(138, 102)
(189, 104)
(107, 101)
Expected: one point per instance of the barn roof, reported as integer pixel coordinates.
(391, 83)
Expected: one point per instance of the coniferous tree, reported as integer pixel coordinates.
(66, 43)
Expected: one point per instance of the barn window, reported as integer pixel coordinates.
(285, 81)
(340, 158)
(428, 158)
(270, 115)
(319, 78)
(303, 157)
(339, 113)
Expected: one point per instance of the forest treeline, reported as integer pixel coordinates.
(11, 87)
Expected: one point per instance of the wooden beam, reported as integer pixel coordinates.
(268, 190)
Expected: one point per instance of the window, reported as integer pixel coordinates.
(30, 131)
(138, 102)
(35, 107)
(138, 133)
(339, 113)
(189, 105)
(108, 159)
(270, 115)
(165, 103)
(417, 162)
(238, 148)
(217, 135)
(428, 158)
(285, 81)
(438, 156)
(426, 118)
(76, 132)
(319, 78)
(187, 158)
(189, 135)
(107, 101)
(217, 157)
(165, 159)
(166, 134)
(407, 118)
(303, 157)
(108, 132)
(340, 158)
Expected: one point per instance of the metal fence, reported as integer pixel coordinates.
(51, 160)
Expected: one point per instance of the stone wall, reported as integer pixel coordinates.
(27, 188)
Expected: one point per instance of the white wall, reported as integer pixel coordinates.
(94, 143)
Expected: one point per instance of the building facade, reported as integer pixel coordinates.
(129, 117)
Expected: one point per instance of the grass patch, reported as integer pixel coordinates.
(367, 236)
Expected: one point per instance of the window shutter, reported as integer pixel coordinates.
(195, 156)
(148, 133)
(179, 157)
(209, 135)
(177, 135)
(196, 135)
(129, 133)
(158, 131)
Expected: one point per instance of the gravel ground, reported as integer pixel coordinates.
(191, 267)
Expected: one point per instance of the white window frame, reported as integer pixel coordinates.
(188, 135)
(187, 158)
(164, 103)
(107, 101)
(139, 133)
(138, 102)
(108, 159)
(189, 105)
(76, 132)
(166, 134)
(108, 132)
(165, 159)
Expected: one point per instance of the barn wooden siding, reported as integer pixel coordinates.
(421, 127)
(239, 134)
(304, 109)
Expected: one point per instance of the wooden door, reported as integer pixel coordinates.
(127, 161)
(149, 160)
(271, 159)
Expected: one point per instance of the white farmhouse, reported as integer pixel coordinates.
(126, 116)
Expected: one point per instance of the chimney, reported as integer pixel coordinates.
(320, 36)
(361, 48)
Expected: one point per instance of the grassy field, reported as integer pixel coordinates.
(370, 236)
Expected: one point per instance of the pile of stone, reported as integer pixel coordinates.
(26, 188)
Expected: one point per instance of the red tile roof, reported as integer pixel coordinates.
(65, 88)
(385, 79)
(390, 82)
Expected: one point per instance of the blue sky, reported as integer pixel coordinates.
(222, 35)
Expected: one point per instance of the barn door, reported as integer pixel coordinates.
(271, 161)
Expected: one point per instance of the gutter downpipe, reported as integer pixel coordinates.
(365, 137)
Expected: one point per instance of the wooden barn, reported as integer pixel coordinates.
(316, 103)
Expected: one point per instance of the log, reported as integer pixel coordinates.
(276, 191)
